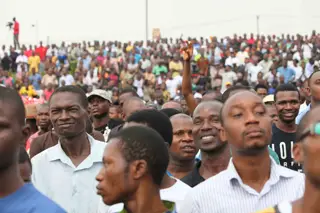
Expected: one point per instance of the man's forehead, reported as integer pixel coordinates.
(242, 97)
(212, 106)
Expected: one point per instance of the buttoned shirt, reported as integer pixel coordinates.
(226, 193)
(72, 187)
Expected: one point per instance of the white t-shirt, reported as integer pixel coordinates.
(298, 71)
(139, 85)
(175, 194)
(24, 62)
(253, 72)
(172, 85)
(227, 77)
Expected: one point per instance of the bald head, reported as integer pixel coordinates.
(180, 116)
(132, 105)
(208, 104)
(172, 105)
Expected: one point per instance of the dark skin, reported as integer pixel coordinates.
(43, 119)
(68, 117)
(99, 109)
(215, 154)
(12, 132)
(247, 128)
(182, 150)
(287, 105)
(112, 178)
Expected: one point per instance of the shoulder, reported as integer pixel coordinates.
(42, 157)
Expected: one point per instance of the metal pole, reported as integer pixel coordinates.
(258, 27)
(147, 24)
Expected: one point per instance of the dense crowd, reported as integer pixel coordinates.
(175, 126)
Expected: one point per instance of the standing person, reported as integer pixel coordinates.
(73, 163)
(16, 33)
(182, 151)
(15, 195)
(99, 102)
(135, 162)
(172, 189)
(215, 154)
(43, 123)
(253, 180)
(287, 102)
(307, 152)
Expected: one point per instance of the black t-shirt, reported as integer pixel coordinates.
(282, 143)
(194, 177)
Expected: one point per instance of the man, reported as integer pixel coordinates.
(22, 62)
(182, 151)
(261, 90)
(15, 195)
(35, 79)
(125, 94)
(34, 62)
(271, 108)
(43, 123)
(172, 189)
(314, 93)
(287, 102)
(307, 153)
(72, 164)
(173, 105)
(99, 102)
(215, 154)
(135, 162)
(286, 72)
(252, 180)
(16, 32)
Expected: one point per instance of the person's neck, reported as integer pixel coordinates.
(311, 199)
(180, 168)
(314, 103)
(213, 163)
(146, 199)
(167, 182)
(10, 180)
(76, 146)
(253, 170)
(100, 122)
(287, 127)
(44, 130)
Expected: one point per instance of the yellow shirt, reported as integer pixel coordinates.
(30, 92)
(175, 67)
(34, 62)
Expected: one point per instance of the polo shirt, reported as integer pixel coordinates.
(73, 188)
(194, 177)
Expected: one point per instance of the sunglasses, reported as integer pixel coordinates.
(314, 129)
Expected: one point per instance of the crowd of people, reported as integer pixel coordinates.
(175, 126)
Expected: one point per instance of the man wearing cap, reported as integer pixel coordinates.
(99, 103)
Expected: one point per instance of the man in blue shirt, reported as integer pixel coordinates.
(35, 79)
(15, 195)
(286, 72)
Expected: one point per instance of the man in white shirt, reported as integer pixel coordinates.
(66, 78)
(22, 60)
(172, 84)
(252, 180)
(172, 189)
(253, 71)
(66, 172)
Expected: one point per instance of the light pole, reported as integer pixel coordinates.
(147, 24)
(258, 27)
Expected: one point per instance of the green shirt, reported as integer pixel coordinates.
(158, 69)
(169, 205)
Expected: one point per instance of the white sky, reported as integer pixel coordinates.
(77, 20)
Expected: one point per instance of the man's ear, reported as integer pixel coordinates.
(138, 169)
(298, 153)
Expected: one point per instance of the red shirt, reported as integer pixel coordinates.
(42, 52)
(28, 53)
(47, 94)
(16, 28)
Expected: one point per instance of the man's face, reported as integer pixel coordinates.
(246, 125)
(315, 86)
(287, 105)
(12, 133)
(182, 147)
(67, 115)
(272, 112)
(206, 127)
(262, 92)
(115, 183)
(114, 113)
(43, 118)
(99, 107)
(123, 97)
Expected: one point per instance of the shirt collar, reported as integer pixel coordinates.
(168, 204)
(96, 152)
(276, 172)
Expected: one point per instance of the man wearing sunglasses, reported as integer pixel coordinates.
(306, 151)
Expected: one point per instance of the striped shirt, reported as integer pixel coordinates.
(226, 193)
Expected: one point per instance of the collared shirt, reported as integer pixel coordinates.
(302, 113)
(225, 192)
(169, 205)
(193, 178)
(73, 188)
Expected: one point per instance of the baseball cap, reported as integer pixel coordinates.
(100, 93)
(268, 98)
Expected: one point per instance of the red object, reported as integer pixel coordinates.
(28, 53)
(42, 52)
(47, 94)
(16, 28)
